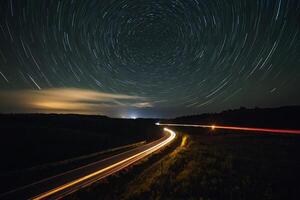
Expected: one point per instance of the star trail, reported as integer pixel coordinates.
(148, 58)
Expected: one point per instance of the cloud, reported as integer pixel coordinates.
(68, 100)
(142, 105)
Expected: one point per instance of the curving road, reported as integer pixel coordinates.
(63, 184)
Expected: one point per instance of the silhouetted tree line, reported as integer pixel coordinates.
(283, 117)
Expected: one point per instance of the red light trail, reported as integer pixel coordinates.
(269, 130)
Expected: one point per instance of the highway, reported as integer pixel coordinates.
(66, 183)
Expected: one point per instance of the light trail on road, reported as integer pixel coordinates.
(269, 130)
(88, 179)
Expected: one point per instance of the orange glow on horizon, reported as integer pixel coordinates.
(57, 105)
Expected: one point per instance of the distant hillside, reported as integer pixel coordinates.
(282, 117)
(33, 139)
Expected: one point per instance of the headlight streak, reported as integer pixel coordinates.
(119, 165)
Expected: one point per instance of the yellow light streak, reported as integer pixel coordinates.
(148, 151)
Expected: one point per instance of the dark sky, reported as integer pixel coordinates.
(148, 58)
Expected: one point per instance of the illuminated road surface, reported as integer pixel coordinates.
(269, 130)
(61, 185)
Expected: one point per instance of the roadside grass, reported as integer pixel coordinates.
(223, 166)
(141, 186)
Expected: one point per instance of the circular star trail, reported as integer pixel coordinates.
(176, 56)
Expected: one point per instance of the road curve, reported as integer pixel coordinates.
(63, 184)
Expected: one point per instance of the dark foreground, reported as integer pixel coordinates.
(202, 164)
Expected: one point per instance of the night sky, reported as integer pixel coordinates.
(148, 58)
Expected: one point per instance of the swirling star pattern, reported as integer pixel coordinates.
(178, 56)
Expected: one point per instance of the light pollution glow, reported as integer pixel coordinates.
(70, 100)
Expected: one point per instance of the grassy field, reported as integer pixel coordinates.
(214, 165)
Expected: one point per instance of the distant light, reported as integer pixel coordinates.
(157, 123)
(133, 117)
(213, 127)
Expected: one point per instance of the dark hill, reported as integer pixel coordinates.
(282, 117)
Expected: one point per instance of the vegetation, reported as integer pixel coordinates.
(283, 117)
